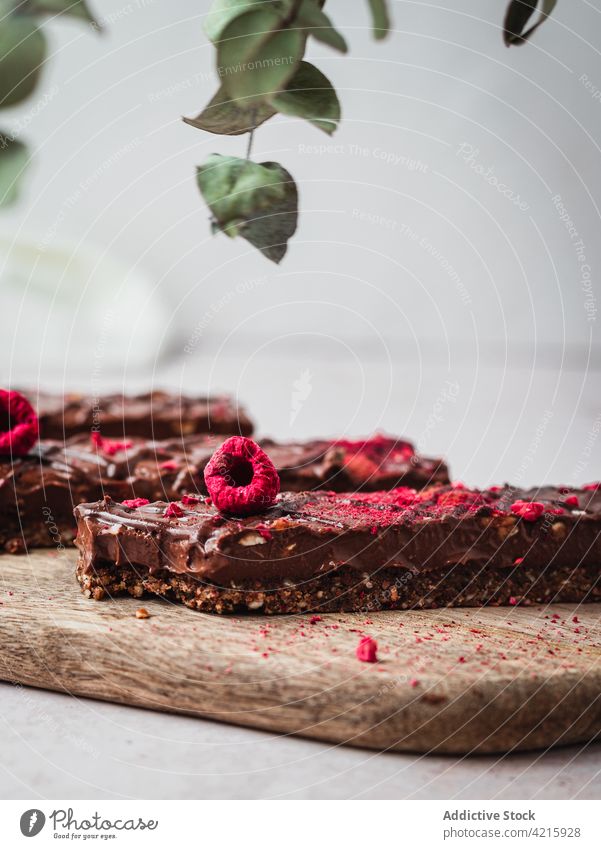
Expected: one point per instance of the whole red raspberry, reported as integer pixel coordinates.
(240, 477)
(18, 424)
(530, 511)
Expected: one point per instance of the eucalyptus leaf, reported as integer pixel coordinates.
(223, 12)
(22, 55)
(255, 57)
(517, 16)
(380, 18)
(256, 201)
(518, 13)
(73, 8)
(229, 117)
(310, 95)
(319, 25)
(13, 160)
(270, 232)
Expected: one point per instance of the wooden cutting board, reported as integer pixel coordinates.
(482, 680)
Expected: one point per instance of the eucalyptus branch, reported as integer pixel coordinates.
(261, 45)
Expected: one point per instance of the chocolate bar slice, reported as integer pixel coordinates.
(154, 415)
(320, 551)
(345, 465)
(38, 491)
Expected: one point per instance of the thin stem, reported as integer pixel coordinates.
(251, 135)
(249, 146)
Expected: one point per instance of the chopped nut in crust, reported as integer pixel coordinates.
(252, 538)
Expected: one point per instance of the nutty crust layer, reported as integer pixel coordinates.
(345, 591)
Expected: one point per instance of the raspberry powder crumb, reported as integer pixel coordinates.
(18, 424)
(529, 511)
(135, 502)
(240, 477)
(109, 446)
(367, 650)
(173, 511)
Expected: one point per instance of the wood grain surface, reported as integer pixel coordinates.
(481, 680)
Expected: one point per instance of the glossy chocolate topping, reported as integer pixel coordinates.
(154, 415)
(308, 534)
(344, 465)
(41, 488)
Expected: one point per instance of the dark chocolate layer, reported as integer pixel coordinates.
(154, 415)
(310, 535)
(38, 492)
(381, 462)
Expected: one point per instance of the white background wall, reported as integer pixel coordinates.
(410, 273)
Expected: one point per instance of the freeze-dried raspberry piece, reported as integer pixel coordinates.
(571, 501)
(173, 511)
(169, 466)
(135, 502)
(240, 477)
(190, 499)
(367, 650)
(109, 446)
(18, 424)
(529, 511)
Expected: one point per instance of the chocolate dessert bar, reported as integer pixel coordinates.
(321, 551)
(154, 415)
(38, 491)
(345, 465)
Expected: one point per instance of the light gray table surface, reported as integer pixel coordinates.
(56, 746)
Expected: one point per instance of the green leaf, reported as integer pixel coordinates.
(13, 159)
(257, 202)
(310, 95)
(380, 18)
(319, 25)
(231, 117)
(22, 54)
(73, 8)
(255, 57)
(517, 16)
(223, 12)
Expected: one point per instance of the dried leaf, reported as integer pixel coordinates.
(256, 201)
